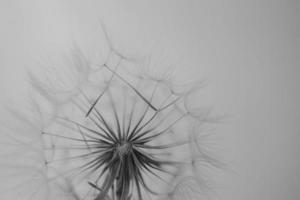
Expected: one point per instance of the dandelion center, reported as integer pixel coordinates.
(123, 148)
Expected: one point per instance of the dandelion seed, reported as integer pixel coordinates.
(59, 81)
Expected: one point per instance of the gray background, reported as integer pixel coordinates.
(247, 51)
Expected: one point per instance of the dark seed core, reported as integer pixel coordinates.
(123, 148)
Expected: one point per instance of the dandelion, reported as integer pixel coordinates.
(127, 140)
(119, 133)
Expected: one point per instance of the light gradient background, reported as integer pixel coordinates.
(247, 51)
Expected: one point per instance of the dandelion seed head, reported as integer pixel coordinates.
(121, 130)
(126, 139)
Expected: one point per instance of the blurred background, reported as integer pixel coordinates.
(246, 51)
